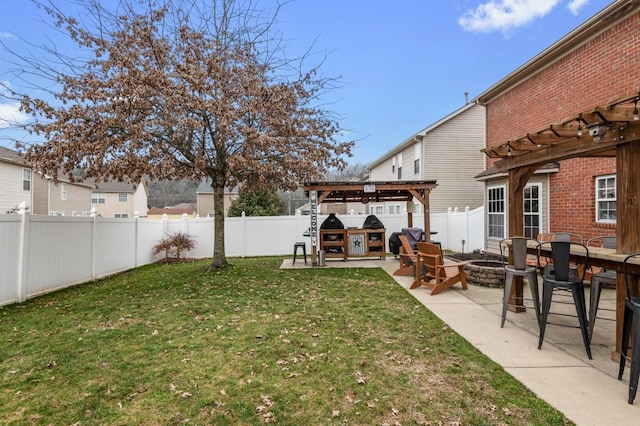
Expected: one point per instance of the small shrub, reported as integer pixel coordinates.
(173, 245)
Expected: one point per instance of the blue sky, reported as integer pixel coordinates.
(402, 64)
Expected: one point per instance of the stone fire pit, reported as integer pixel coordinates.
(486, 273)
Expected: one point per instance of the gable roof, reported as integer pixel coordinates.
(600, 22)
(416, 136)
(10, 156)
(171, 210)
(114, 186)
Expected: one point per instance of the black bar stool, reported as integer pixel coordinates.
(304, 251)
(630, 330)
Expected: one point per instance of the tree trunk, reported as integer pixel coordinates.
(219, 256)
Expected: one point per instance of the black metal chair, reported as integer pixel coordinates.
(564, 278)
(517, 248)
(607, 277)
(562, 236)
(630, 330)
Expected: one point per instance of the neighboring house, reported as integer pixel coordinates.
(448, 151)
(171, 212)
(120, 199)
(204, 199)
(592, 65)
(19, 184)
(15, 182)
(61, 198)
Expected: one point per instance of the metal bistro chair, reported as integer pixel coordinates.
(517, 248)
(630, 330)
(562, 236)
(605, 276)
(566, 279)
(547, 264)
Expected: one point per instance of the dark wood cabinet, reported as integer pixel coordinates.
(345, 243)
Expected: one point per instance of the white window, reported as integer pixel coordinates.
(26, 180)
(496, 214)
(379, 209)
(63, 191)
(393, 165)
(123, 197)
(532, 210)
(399, 166)
(391, 209)
(416, 156)
(606, 199)
(98, 198)
(121, 215)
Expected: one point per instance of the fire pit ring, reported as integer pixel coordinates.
(485, 273)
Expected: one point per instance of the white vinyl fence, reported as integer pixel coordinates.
(39, 254)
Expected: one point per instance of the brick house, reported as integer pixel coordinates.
(593, 65)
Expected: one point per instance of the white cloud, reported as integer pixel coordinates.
(10, 114)
(503, 15)
(575, 5)
(5, 34)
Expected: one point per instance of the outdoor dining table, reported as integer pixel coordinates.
(604, 258)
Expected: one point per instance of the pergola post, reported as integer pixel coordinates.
(627, 225)
(518, 179)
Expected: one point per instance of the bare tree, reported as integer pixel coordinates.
(180, 89)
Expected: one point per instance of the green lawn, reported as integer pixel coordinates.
(251, 344)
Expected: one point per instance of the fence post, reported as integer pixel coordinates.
(22, 258)
(243, 225)
(94, 226)
(466, 225)
(136, 236)
(449, 212)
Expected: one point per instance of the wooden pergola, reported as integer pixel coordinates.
(611, 130)
(365, 192)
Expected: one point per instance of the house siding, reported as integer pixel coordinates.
(452, 157)
(450, 154)
(205, 203)
(602, 68)
(542, 179)
(47, 196)
(11, 192)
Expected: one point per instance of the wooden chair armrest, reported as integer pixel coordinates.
(461, 263)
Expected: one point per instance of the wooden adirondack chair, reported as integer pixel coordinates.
(407, 257)
(434, 273)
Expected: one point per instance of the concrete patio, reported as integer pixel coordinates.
(586, 391)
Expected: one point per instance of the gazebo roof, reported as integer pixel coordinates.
(345, 192)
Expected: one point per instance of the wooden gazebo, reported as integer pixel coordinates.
(365, 192)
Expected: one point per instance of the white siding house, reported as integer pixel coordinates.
(16, 181)
(447, 151)
(120, 199)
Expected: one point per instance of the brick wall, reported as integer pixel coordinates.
(605, 68)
